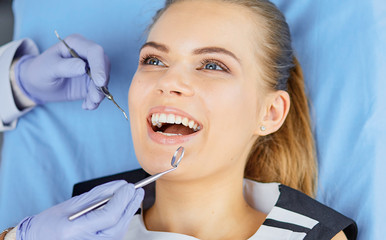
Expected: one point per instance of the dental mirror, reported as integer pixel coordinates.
(179, 152)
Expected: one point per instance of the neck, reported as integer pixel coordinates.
(210, 208)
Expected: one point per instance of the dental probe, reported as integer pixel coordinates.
(103, 89)
(139, 184)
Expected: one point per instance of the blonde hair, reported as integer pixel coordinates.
(288, 155)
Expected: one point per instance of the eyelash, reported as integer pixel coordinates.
(220, 64)
(147, 57)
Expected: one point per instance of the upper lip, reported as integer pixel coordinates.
(172, 110)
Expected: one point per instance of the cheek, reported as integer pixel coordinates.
(236, 107)
(135, 100)
(137, 111)
(137, 92)
(233, 114)
(132, 100)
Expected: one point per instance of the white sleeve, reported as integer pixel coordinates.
(9, 113)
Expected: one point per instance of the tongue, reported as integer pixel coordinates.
(178, 129)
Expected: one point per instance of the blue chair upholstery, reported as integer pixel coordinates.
(341, 47)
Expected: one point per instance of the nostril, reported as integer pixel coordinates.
(176, 88)
(175, 93)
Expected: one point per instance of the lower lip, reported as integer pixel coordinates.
(169, 140)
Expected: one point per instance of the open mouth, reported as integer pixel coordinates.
(173, 125)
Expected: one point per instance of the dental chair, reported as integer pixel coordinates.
(341, 46)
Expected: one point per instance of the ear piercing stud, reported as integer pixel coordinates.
(262, 128)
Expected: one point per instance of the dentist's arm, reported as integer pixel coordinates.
(9, 109)
(110, 222)
(56, 76)
(28, 78)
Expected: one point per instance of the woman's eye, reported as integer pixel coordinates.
(153, 61)
(212, 66)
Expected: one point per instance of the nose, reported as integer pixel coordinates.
(175, 83)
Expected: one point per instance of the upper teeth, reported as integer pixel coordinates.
(157, 119)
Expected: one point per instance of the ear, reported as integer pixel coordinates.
(274, 113)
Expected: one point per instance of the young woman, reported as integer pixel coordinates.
(220, 78)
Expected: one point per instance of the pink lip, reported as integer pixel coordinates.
(169, 140)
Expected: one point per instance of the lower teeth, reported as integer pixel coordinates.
(170, 134)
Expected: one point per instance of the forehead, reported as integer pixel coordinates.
(191, 24)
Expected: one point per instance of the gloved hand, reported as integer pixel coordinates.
(55, 75)
(109, 222)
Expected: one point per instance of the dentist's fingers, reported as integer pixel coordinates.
(93, 98)
(91, 52)
(119, 229)
(111, 214)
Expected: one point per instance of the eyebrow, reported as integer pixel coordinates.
(163, 48)
(215, 50)
(158, 46)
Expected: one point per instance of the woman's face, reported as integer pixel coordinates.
(197, 86)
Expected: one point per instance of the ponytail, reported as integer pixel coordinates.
(288, 155)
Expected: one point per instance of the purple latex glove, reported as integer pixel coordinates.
(56, 76)
(109, 222)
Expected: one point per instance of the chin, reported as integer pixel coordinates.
(155, 158)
